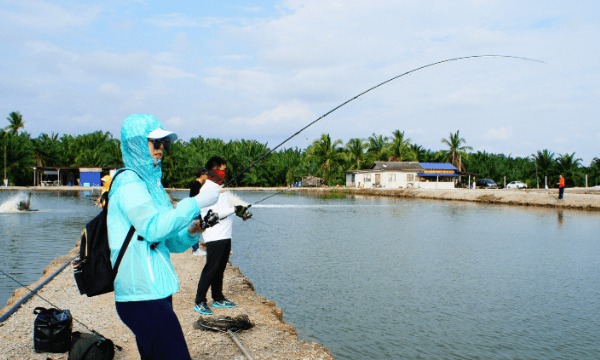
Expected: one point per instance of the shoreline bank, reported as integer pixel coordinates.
(270, 338)
(587, 199)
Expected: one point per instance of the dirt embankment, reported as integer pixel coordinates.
(575, 198)
(270, 338)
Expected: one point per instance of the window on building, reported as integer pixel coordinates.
(410, 177)
(392, 178)
(367, 177)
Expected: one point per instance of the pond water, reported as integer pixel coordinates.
(381, 278)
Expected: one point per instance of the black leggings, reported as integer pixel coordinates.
(217, 255)
(156, 328)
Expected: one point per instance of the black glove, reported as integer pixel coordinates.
(240, 210)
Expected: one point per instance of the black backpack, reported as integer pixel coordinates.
(94, 273)
(52, 330)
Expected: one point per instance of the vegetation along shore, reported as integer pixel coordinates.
(324, 157)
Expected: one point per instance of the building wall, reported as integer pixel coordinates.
(394, 180)
(442, 185)
(93, 178)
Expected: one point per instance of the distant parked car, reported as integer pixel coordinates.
(516, 185)
(486, 184)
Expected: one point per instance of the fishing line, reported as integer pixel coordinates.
(249, 206)
(373, 88)
(40, 296)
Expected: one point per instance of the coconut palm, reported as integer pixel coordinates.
(399, 148)
(456, 149)
(47, 149)
(595, 169)
(16, 122)
(376, 147)
(355, 148)
(419, 151)
(544, 161)
(328, 154)
(570, 168)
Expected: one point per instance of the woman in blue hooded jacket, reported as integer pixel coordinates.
(146, 279)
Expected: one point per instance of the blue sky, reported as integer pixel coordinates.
(264, 69)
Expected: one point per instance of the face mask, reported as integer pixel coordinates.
(217, 176)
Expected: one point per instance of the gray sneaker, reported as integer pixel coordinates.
(224, 303)
(203, 308)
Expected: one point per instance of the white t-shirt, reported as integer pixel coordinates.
(223, 209)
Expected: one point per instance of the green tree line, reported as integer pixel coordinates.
(324, 157)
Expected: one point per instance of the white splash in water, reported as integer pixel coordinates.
(12, 204)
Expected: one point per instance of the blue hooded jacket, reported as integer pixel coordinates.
(141, 200)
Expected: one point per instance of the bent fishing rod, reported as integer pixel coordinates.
(373, 88)
(259, 201)
(40, 296)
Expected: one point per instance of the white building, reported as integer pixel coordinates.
(405, 174)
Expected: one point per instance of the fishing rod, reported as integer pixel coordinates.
(249, 206)
(40, 296)
(373, 88)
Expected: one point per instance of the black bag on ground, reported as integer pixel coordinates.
(90, 347)
(52, 330)
(94, 273)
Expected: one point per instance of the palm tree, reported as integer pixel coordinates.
(399, 149)
(356, 153)
(419, 151)
(570, 168)
(457, 149)
(544, 161)
(16, 122)
(595, 169)
(376, 147)
(327, 153)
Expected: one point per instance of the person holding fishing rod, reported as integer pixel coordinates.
(217, 238)
(146, 280)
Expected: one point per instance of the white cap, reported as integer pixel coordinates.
(160, 133)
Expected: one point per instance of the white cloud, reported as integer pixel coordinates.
(235, 57)
(181, 43)
(169, 72)
(289, 113)
(183, 20)
(109, 91)
(47, 15)
(504, 133)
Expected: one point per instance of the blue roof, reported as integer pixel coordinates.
(437, 166)
(435, 175)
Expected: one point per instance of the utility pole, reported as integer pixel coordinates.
(5, 178)
(536, 173)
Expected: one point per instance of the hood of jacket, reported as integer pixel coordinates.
(136, 155)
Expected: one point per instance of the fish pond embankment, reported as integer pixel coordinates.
(270, 338)
(574, 198)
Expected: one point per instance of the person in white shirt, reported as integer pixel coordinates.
(217, 239)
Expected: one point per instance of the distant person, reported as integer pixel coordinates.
(201, 176)
(217, 239)
(106, 180)
(561, 187)
(146, 280)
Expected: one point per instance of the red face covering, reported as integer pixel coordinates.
(217, 176)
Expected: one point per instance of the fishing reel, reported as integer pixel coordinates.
(243, 212)
(211, 219)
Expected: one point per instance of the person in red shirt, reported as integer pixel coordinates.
(561, 187)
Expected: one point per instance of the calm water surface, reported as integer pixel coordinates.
(376, 278)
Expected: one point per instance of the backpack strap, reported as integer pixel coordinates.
(122, 252)
(131, 229)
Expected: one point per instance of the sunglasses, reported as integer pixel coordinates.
(158, 142)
